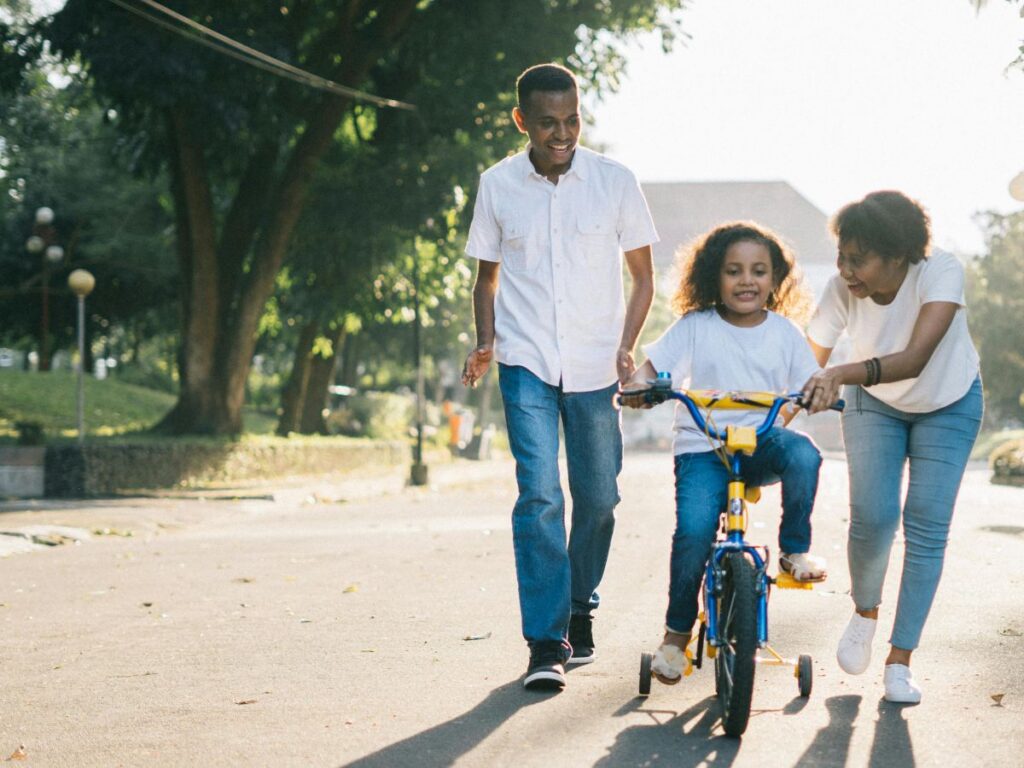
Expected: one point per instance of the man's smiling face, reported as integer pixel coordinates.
(552, 121)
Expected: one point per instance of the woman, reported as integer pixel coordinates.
(913, 394)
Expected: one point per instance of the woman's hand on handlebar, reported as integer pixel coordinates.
(821, 390)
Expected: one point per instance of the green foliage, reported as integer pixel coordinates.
(996, 301)
(379, 415)
(57, 150)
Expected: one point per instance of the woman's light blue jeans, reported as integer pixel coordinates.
(556, 578)
(880, 441)
(701, 494)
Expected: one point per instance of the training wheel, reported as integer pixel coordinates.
(645, 673)
(804, 675)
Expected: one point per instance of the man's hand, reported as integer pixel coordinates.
(625, 365)
(477, 363)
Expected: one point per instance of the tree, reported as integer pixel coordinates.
(241, 147)
(996, 301)
(56, 150)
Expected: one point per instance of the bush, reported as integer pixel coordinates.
(378, 415)
(1007, 462)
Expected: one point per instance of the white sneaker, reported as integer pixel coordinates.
(900, 686)
(854, 652)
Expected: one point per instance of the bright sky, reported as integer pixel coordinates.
(837, 97)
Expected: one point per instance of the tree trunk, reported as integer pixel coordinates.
(320, 377)
(294, 395)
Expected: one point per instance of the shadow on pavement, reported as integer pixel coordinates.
(443, 744)
(684, 739)
(831, 744)
(892, 747)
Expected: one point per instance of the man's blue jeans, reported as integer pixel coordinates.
(701, 495)
(555, 579)
(879, 442)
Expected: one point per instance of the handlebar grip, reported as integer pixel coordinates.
(838, 405)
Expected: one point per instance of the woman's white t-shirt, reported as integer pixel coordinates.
(876, 330)
(703, 351)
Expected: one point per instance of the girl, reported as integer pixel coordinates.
(738, 285)
(904, 312)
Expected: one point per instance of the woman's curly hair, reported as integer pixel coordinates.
(700, 267)
(886, 222)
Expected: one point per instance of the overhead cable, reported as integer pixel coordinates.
(236, 50)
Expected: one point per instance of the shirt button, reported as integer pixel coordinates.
(555, 229)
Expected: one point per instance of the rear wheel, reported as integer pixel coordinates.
(737, 643)
(645, 673)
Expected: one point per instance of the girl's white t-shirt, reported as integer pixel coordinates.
(876, 330)
(703, 351)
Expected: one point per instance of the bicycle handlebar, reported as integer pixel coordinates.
(695, 399)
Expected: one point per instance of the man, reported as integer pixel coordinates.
(549, 230)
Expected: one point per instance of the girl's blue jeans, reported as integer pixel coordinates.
(556, 577)
(701, 494)
(880, 442)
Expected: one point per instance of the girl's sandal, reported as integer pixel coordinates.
(803, 567)
(672, 663)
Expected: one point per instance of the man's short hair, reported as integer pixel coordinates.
(544, 77)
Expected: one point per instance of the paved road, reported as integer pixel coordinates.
(308, 630)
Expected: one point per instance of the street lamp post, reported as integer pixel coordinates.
(419, 469)
(81, 283)
(41, 244)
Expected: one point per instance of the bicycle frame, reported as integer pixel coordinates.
(736, 505)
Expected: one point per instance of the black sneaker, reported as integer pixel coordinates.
(581, 638)
(547, 668)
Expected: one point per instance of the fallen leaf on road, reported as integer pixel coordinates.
(243, 580)
(1011, 632)
(350, 588)
(246, 701)
(998, 698)
(147, 605)
(478, 637)
(112, 532)
(19, 753)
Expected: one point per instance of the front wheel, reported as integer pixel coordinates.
(737, 643)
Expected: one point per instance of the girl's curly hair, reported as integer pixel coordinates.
(700, 266)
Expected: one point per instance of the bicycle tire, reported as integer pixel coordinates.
(646, 659)
(737, 643)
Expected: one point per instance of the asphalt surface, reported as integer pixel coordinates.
(364, 624)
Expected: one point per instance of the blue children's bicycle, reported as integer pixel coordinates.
(734, 619)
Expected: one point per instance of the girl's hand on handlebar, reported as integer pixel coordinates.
(821, 390)
(635, 398)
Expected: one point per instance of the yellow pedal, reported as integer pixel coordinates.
(786, 581)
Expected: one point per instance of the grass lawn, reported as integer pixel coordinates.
(112, 408)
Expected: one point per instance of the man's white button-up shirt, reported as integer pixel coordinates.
(560, 306)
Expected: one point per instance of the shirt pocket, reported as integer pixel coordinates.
(596, 234)
(517, 253)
